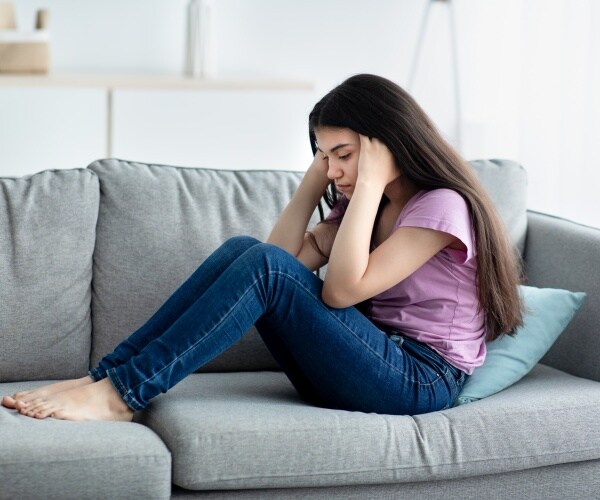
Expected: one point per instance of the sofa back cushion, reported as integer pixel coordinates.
(47, 235)
(506, 183)
(158, 223)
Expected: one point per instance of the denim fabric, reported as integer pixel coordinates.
(335, 358)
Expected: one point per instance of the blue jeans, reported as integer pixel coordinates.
(335, 358)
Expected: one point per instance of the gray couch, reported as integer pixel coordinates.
(87, 255)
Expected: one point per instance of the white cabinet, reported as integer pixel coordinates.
(215, 128)
(47, 128)
(59, 121)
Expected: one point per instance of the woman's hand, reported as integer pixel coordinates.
(376, 162)
(319, 163)
(290, 228)
(318, 171)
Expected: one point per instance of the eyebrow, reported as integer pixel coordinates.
(335, 148)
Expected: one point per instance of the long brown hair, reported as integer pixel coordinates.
(376, 107)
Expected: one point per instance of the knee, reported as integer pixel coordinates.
(241, 243)
(270, 256)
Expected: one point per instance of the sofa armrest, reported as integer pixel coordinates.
(562, 254)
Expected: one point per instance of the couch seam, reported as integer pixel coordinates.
(449, 464)
(92, 459)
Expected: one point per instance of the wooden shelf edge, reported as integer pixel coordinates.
(145, 81)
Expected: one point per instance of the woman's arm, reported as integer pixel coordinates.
(289, 230)
(324, 235)
(353, 273)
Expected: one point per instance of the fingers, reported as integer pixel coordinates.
(371, 143)
(365, 145)
(373, 146)
(320, 162)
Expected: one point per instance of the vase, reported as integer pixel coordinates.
(200, 58)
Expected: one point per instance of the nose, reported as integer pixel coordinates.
(333, 170)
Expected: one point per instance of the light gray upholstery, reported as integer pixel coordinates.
(55, 459)
(157, 224)
(248, 434)
(570, 481)
(256, 433)
(506, 183)
(562, 254)
(47, 235)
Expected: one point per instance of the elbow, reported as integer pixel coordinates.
(334, 299)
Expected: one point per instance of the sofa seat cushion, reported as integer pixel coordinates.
(60, 459)
(251, 430)
(47, 237)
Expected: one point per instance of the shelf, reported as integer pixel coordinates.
(145, 81)
(112, 83)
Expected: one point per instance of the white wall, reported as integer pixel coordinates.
(323, 41)
(507, 56)
(29, 128)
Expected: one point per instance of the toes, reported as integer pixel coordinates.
(39, 408)
(26, 412)
(19, 405)
(15, 401)
(44, 411)
(29, 408)
(23, 396)
(9, 402)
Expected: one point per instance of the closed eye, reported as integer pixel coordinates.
(345, 157)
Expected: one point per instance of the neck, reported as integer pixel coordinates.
(400, 191)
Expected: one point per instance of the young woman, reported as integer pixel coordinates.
(419, 274)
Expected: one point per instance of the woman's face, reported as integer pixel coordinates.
(341, 148)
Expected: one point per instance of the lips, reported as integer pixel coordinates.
(342, 187)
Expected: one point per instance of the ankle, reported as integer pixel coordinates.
(115, 401)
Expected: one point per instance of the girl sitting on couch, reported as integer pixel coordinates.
(419, 275)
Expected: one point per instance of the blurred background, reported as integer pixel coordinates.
(515, 79)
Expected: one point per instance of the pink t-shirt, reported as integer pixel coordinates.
(436, 304)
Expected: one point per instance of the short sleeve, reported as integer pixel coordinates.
(442, 210)
(338, 210)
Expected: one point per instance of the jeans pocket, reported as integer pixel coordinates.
(396, 339)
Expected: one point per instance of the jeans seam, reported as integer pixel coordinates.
(121, 389)
(327, 309)
(200, 340)
(93, 374)
(127, 393)
(418, 382)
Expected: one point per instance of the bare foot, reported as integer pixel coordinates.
(97, 401)
(21, 399)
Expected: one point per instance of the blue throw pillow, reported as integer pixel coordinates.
(548, 311)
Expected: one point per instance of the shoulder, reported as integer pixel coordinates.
(442, 210)
(440, 204)
(442, 197)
